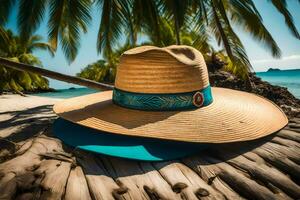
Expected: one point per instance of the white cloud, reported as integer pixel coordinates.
(285, 62)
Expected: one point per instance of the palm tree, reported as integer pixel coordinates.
(104, 70)
(69, 18)
(168, 37)
(15, 50)
(22, 73)
(99, 71)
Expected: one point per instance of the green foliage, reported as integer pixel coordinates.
(281, 6)
(67, 20)
(104, 70)
(202, 19)
(111, 24)
(99, 71)
(30, 15)
(16, 50)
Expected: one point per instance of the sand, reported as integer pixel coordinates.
(18, 112)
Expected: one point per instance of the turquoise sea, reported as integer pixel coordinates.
(285, 78)
(67, 93)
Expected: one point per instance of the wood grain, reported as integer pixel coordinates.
(41, 167)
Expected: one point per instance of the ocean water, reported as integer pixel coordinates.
(286, 78)
(67, 93)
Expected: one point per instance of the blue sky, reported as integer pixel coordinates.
(259, 57)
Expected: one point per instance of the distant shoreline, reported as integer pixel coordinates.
(280, 70)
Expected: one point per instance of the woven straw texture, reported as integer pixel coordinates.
(233, 116)
(173, 69)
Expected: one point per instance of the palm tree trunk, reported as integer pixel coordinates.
(177, 32)
(20, 93)
(55, 75)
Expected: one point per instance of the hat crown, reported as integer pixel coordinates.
(173, 69)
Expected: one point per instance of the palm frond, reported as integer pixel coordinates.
(217, 27)
(130, 27)
(30, 15)
(3, 36)
(41, 46)
(5, 8)
(281, 6)
(29, 58)
(176, 11)
(225, 35)
(55, 21)
(201, 12)
(146, 15)
(111, 25)
(167, 36)
(68, 19)
(34, 38)
(244, 14)
(202, 39)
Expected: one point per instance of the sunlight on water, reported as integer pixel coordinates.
(67, 93)
(286, 78)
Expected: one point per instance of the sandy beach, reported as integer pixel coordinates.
(24, 114)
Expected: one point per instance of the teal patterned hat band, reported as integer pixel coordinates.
(163, 102)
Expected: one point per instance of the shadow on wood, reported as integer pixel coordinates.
(42, 167)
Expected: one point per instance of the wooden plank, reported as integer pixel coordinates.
(208, 173)
(286, 142)
(267, 175)
(159, 185)
(294, 125)
(55, 178)
(185, 181)
(237, 180)
(22, 165)
(77, 187)
(140, 183)
(297, 130)
(100, 184)
(281, 162)
(288, 134)
(31, 157)
(263, 169)
(291, 153)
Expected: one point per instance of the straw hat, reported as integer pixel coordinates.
(165, 93)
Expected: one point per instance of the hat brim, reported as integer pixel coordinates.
(129, 147)
(233, 116)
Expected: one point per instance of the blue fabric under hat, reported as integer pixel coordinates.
(129, 147)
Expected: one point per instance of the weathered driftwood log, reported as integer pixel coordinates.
(55, 75)
(43, 168)
(19, 173)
